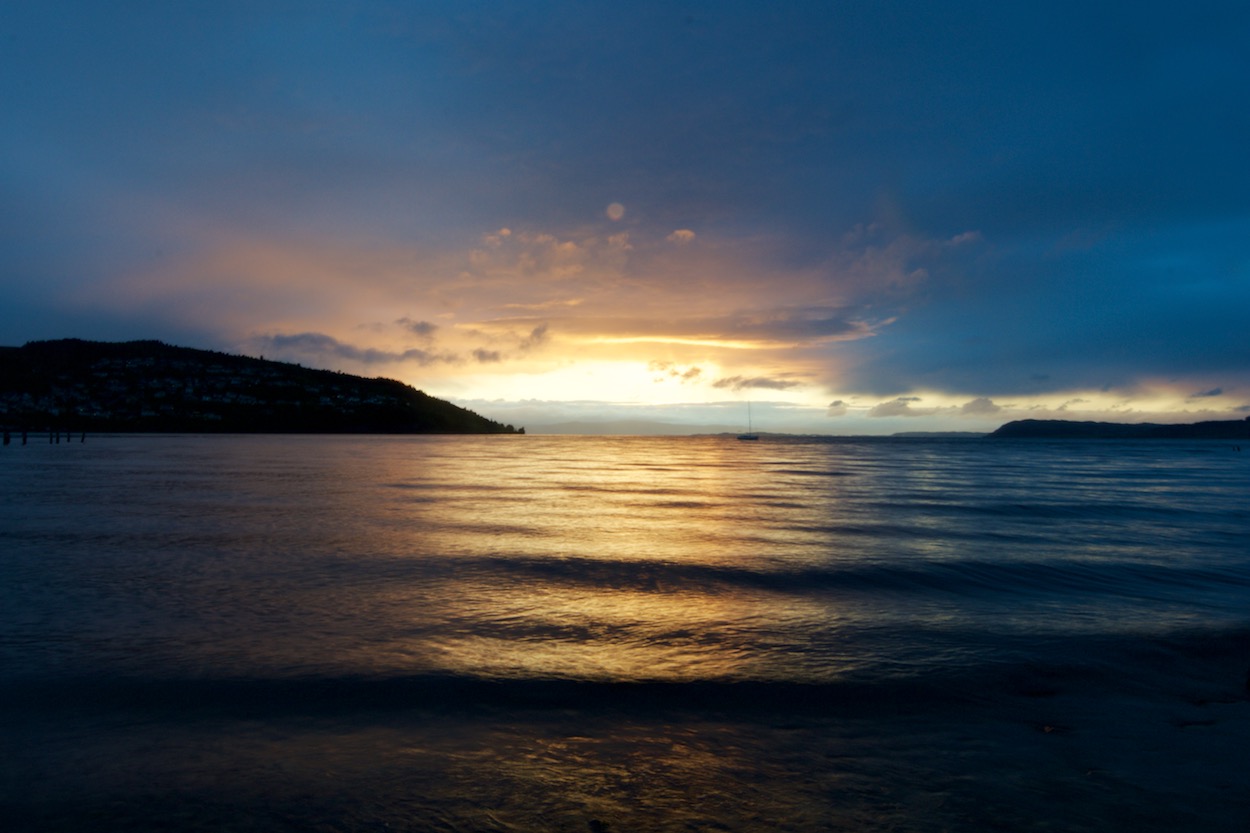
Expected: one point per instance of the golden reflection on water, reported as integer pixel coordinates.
(316, 562)
(687, 501)
(593, 558)
(574, 558)
(616, 635)
(618, 503)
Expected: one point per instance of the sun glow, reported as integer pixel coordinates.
(686, 341)
(626, 381)
(608, 381)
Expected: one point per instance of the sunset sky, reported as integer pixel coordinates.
(859, 217)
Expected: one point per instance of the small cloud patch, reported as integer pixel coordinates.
(668, 371)
(421, 328)
(536, 338)
(980, 405)
(900, 407)
(760, 382)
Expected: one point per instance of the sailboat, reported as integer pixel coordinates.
(749, 435)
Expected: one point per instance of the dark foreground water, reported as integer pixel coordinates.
(639, 634)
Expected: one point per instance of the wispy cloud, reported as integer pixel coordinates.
(320, 347)
(1207, 394)
(537, 338)
(424, 329)
(755, 383)
(672, 371)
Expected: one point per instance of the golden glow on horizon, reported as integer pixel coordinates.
(584, 315)
(614, 381)
(687, 341)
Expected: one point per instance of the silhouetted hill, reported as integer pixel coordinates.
(151, 386)
(1233, 429)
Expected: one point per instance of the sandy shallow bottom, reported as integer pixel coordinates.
(1070, 761)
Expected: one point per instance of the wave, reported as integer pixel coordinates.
(904, 575)
(1201, 666)
(311, 695)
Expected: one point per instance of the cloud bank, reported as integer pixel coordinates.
(864, 212)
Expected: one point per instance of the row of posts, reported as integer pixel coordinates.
(54, 436)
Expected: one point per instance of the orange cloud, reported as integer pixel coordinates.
(517, 300)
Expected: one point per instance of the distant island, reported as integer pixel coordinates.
(149, 386)
(939, 435)
(1233, 429)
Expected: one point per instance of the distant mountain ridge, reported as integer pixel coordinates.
(1233, 429)
(152, 386)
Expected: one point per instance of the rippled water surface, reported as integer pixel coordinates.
(578, 633)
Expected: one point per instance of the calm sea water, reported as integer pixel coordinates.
(593, 634)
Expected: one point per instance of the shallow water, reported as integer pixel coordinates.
(578, 633)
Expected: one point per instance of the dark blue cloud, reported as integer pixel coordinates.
(801, 117)
(1031, 320)
(318, 347)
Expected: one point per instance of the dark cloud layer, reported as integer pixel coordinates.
(974, 199)
(318, 346)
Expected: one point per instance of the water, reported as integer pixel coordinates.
(612, 634)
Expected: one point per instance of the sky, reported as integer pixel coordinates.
(846, 217)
